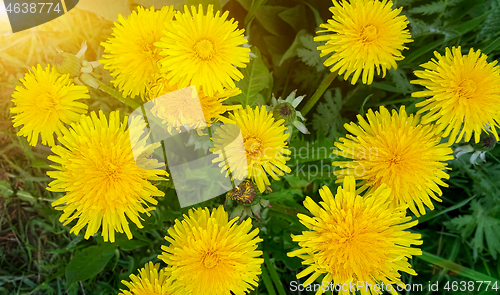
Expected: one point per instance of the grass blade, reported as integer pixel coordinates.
(274, 274)
(455, 267)
(267, 281)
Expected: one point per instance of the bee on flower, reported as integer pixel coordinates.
(263, 151)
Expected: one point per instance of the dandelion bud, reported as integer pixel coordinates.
(486, 143)
(285, 111)
(67, 63)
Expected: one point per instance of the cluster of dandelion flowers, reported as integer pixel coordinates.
(189, 106)
(395, 150)
(210, 255)
(355, 239)
(46, 102)
(364, 36)
(464, 94)
(264, 148)
(98, 172)
(203, 50)
(130, 55)
(151, 281)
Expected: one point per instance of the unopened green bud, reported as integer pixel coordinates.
(486, 142)
(286, 112)
(67, 63)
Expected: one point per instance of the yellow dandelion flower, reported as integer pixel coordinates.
(45, 102)
(365, 35)
(150, 281)
(395, 150)
(188, 106)
(354, 239)
(103, 184)
(203, 50)
(264, 147)
(464, 93)
(130, 55)
(210, 255)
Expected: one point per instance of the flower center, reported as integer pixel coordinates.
(395, 160)
(466, 88)
(210, 259)
(204, 49)
(151, 51)
(369, 33)
(46, 102)
(285, 110)
(253, 148)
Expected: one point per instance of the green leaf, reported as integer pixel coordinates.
(267, 282)
(256, 79)
(292, 50)
(294, 16)
(362, 108)
(401, 80)
(428, 216)
(267, 17)
(317, 16)
(327, 120)
(493, 45)
(459, 30)
(274, 274)
(89, 262)
(26, 196)
(491, 25)
(454, 267)
(432, 8)
(468, 26)
(40, 164)
(310, 55)
(5, 189)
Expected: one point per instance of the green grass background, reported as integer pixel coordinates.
(461, 236)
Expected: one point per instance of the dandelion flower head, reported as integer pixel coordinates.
(46, 102)
(463, 94)
(203, 50)
(364, 36)
(263, 149)
(130, 55)
(102, 181)
(210, 255)
(355, 239)
(151, 281)
(394, 149)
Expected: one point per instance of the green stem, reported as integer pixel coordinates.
(116, 94)
(319, 92)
